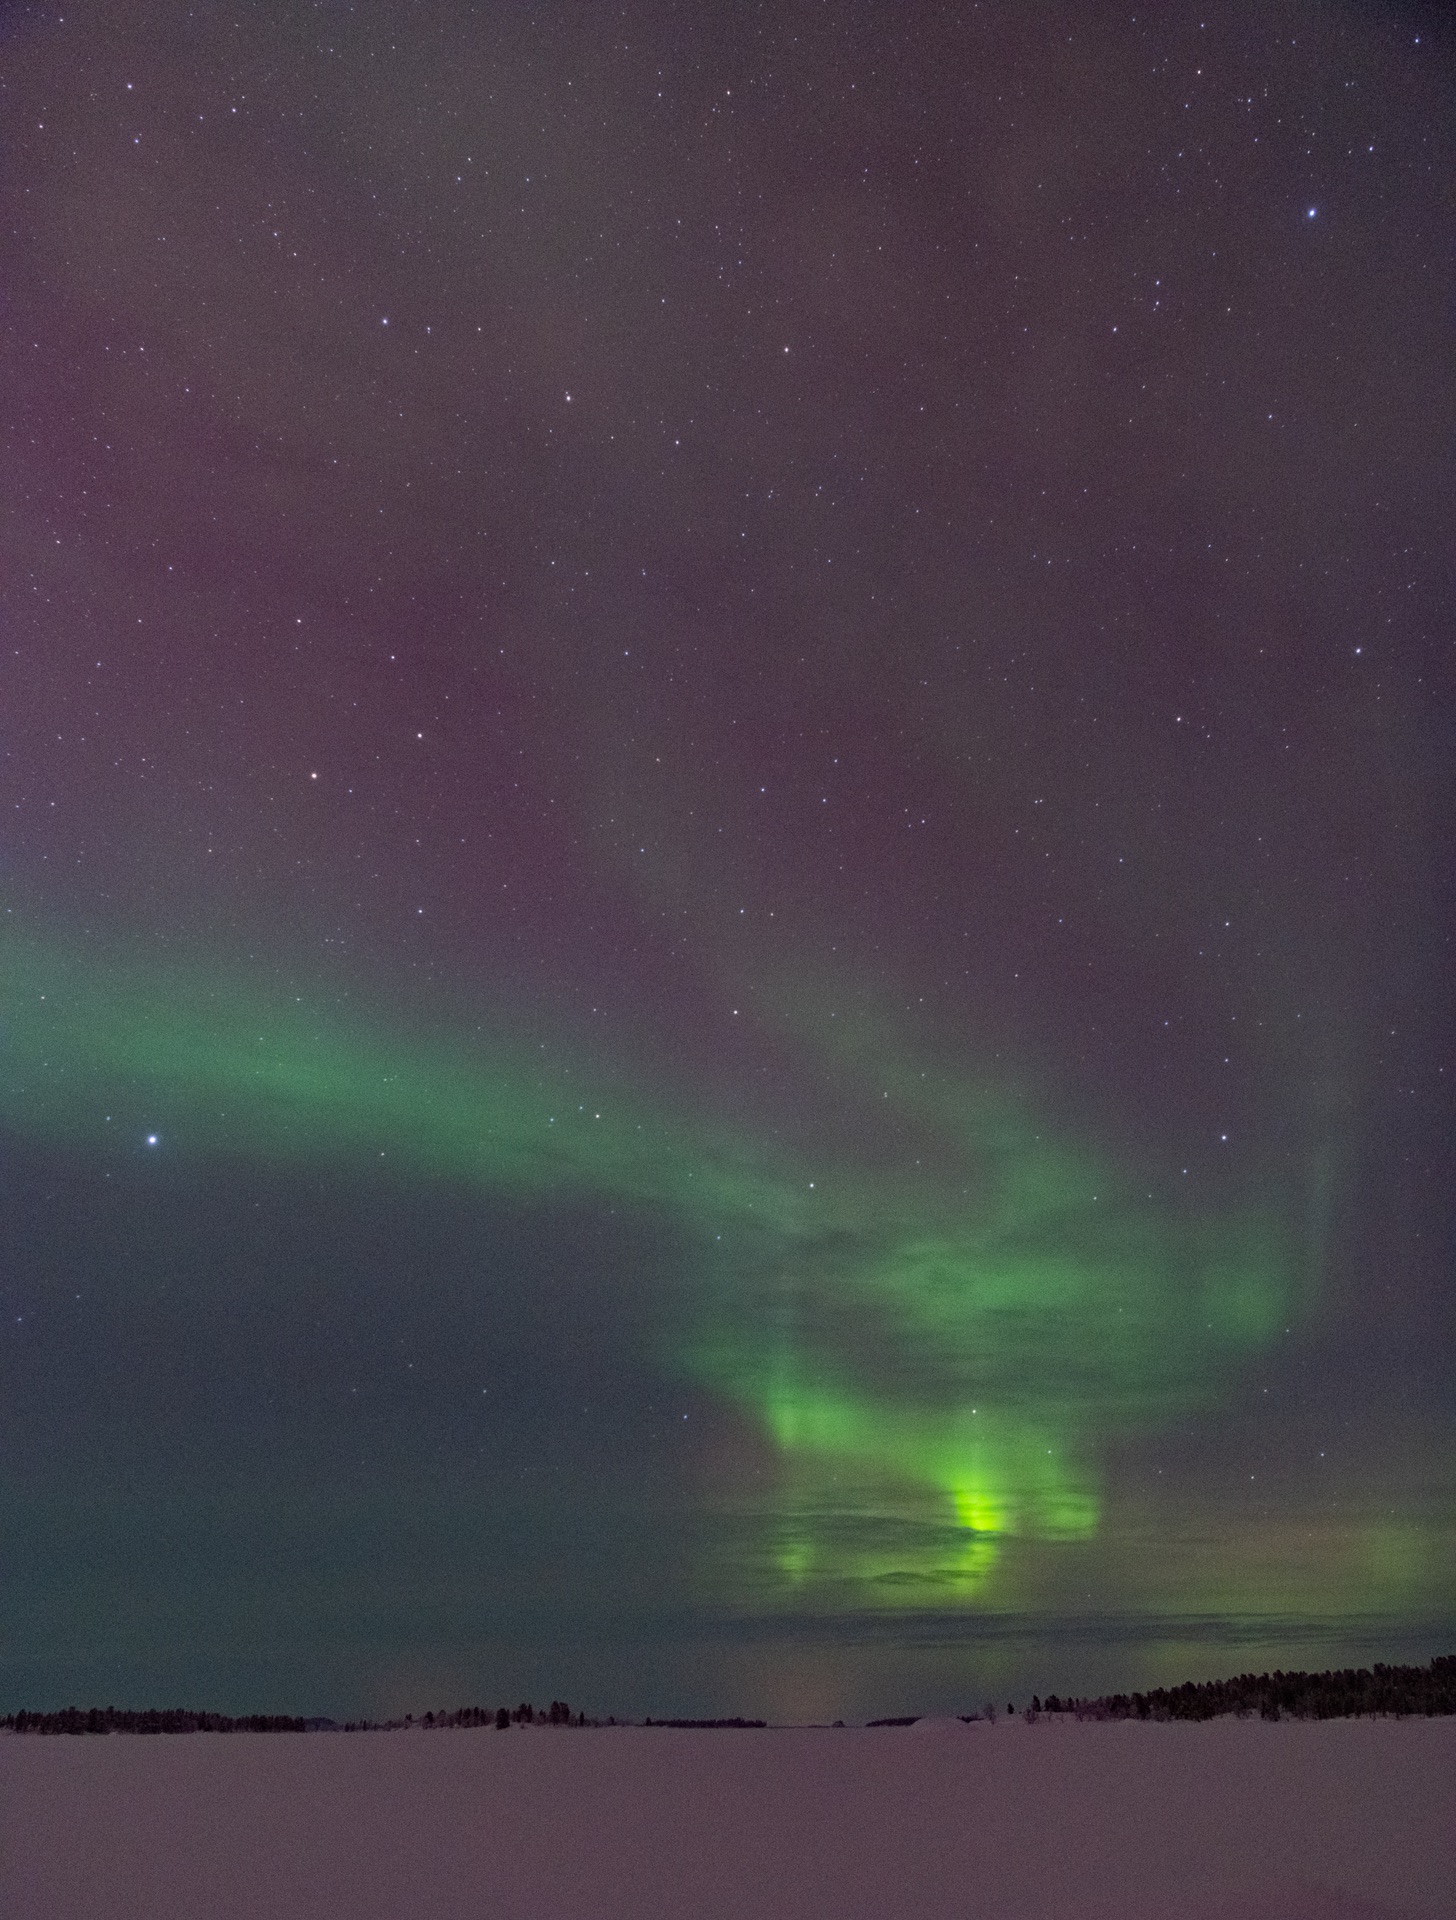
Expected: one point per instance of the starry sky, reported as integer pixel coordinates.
(726, 869)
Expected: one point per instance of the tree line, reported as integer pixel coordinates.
(184, 1720)
(1342, 1694)
(149, 1720)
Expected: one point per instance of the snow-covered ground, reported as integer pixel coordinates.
(1231, 1820)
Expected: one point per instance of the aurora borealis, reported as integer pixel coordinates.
(1035, 1287)
(726, 912)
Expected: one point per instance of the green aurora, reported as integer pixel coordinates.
(936, 1351)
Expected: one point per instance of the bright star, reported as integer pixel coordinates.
(153, 1139)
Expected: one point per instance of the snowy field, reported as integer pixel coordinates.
(1230, 1820)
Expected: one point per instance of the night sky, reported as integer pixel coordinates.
(727, 864)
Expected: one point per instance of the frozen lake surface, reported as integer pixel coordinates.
(1230, 1820)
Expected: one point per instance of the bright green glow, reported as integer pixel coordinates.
(935, 1344)
(997, 1476)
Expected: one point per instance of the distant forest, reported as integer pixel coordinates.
(1344, 1694)
(184, 1720)
(1341, 1695)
